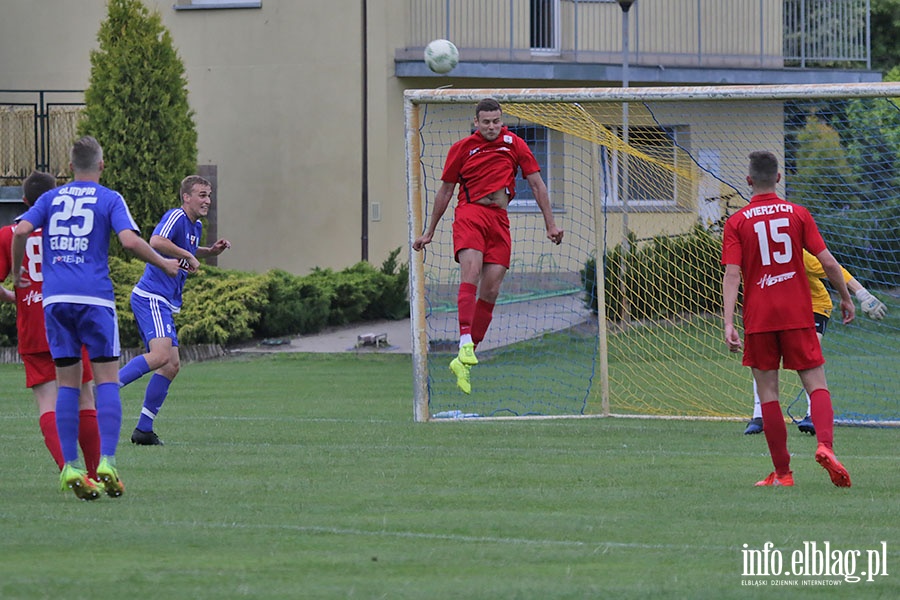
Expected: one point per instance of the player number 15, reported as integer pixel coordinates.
(771, 234)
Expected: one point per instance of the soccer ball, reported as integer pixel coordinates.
(441, 56)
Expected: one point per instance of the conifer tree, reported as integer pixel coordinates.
(136, 105)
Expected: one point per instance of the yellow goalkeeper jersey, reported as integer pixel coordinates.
(821, 299)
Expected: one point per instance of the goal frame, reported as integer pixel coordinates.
(415, 98)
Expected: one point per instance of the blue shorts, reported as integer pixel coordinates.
(154, 319)
(71, 326)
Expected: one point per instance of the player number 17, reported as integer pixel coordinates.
(772, 234)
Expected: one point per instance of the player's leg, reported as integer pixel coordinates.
(109, 418)
(40, 377)
(822, 413)
(72, 476)
(755, 424)
(99, 330)
(762, 353)
(491, 278)
(469, 273)
(470, 267)
(497, 255)
(773, 427)
(88, 430)
(157, 390)
(152, 317)
(805, 356)
(65, 348)
(806, 425)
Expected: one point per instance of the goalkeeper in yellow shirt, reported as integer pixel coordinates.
(821, 305)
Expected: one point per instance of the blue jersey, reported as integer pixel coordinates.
(177, 227)
(77, 219)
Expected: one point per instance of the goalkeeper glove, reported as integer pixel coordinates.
(872, 306)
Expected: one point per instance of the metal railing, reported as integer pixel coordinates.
(36, 130)
(709, 33)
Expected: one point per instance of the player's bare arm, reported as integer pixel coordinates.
(730, 284)
(441, 202)
(542, 197)
(135, 244)
(836, 277)
(167, 247)
(20, 235)
(216, 249)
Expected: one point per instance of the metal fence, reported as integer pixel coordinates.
(36, 132)
(710, 33)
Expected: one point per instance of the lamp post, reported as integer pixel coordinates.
(625, 5)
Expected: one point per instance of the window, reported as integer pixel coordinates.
(536, 137)
(647, 177)
(211, 4)
(545, 26)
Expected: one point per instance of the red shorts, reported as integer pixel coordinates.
(799, 349)
(482, 228)
(39, 368)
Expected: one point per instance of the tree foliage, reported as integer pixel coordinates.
(846, 172)
(136, 105)
(885, 23)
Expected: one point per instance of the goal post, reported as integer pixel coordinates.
(641, 181)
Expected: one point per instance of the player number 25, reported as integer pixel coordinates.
(72, 209)
(772, 234)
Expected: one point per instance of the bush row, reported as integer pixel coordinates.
(661, 278)
(226, 307)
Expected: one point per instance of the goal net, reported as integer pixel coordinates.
(641, 181)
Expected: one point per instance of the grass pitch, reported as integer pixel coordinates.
(303, 476)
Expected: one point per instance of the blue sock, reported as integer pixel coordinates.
(109, 417)
(67, 421)
(136, 368)
(156, 393)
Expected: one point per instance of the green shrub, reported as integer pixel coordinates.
(664, 277)
(227, 307)
(349, 291)
(295, 305)
(221, 306)
(392, 295)
(8, 324)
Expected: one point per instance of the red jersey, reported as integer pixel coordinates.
(29, 307)
(766, 238)
(481, 167)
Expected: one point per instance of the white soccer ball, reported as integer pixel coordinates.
(441, 56)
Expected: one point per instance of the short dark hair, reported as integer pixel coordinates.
(188, 183)
(487, 105)
(86, 154)
(763, 168)
(35, 185)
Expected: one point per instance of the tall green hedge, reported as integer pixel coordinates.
(136, 105)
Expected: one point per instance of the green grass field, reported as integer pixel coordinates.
(304, 476)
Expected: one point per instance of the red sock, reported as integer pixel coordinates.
(484, 312)
(822, 414)
(89, 440)
(51, 437)
(465, 303)
(776, 436)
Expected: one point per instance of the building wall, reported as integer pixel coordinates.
(279, 100)
(277, 94)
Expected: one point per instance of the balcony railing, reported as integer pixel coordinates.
(699, 33)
